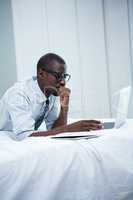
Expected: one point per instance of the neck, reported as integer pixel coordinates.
(45, 92)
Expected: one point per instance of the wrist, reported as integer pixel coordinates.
(64, 108)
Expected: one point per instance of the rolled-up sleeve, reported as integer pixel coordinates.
(19, 110)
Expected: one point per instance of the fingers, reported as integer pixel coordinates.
(64, 91)
(64, 97)
(95, 127)
(92, 121)
(92, 125)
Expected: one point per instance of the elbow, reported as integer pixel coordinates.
(19, 136)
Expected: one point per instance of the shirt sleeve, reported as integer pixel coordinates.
(18, 106)
(53, 114)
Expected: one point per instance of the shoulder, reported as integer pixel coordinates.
(55, 100)
(18, 90)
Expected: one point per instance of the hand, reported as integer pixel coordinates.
(64, 94)
(85, 125)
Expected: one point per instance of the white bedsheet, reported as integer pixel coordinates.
(49, 169)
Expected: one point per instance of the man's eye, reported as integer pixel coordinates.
(59, 76)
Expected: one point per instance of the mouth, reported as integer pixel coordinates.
(52, 90)
(57, 91)
(58, 88)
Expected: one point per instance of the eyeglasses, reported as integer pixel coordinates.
(59, 76)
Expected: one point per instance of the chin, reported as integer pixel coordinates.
(53, 91)
(55, 94)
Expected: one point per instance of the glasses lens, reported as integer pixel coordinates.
(59, 76)
(64, 77)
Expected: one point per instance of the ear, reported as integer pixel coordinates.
(41, 74)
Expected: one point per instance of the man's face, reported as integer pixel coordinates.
(52, 80)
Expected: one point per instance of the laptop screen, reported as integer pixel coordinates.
(122, 107)
(120, 104)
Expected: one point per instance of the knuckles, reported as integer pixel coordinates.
(65, 92)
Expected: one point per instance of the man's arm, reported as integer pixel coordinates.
(64, 104)
(62, 119)
(83, 125)
(64, 95)
(59, 125)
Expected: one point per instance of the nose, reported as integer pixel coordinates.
(62, 82)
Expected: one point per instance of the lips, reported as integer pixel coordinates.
(58, 88)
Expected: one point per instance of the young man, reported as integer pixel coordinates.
(39, 106)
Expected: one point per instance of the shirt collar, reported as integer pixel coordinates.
(39, 94)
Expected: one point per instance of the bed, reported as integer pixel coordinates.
(52, 169)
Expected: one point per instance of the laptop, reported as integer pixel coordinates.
(120, 104)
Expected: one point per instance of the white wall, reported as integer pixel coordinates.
(93, 36)
(7, 51)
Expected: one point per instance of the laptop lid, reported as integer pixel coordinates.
(120, 104)
(122, 108)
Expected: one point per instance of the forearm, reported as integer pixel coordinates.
(59, 126)
(83, 125)
(57, 130)
(62, 119)
(51, 132)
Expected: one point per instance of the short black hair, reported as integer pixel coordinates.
(46, 59)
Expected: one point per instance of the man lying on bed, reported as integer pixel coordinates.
(39, 106)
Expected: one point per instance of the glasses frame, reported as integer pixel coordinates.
(59, 76)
